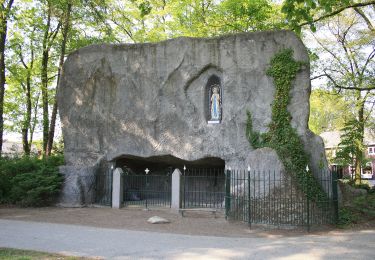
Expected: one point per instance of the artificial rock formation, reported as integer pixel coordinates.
(153, 100)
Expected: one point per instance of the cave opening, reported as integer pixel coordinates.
(148, 180)
(164, 164)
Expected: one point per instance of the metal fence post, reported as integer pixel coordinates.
(146, 187)
(184, 190)
(146, 191)
(249, 197)
(308, 212)
(227, 193)
(113, 165)
(335, 197)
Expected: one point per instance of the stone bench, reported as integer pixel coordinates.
(213, 211)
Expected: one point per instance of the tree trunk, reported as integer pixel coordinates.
(27, 124)
(4, 15)
(66, 27)
(35, 121)
(361, 128)
(44, 79)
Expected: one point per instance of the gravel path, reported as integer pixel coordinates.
(135, 219)
(125, 234)
(127, 244)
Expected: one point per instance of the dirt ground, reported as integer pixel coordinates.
(193, 223)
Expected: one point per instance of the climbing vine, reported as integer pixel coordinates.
(281, 136)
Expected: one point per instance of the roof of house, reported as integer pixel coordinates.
(332, 139)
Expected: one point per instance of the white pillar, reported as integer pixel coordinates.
(176, 177)
(117, 188)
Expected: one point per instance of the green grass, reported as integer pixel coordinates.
(18, 254)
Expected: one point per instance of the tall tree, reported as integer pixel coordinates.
(65, 31)
(25, 80)
(50, 34)
(348, 63)
(5, 9)
(21, 99)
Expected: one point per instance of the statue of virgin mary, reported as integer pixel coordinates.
(215, 103)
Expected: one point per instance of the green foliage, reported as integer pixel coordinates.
(18, 254)
(29, 181)
(363, 185)
(346, 217)
(365, 205)
(152, 20)
(301, 11)
(145, 8)
(249, 15)
(281, 135)
(351, 145)
(359, 210)
(253, 136)
(58, 147)
(328, 111)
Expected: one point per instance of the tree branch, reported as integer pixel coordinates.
(21, 57)
(318, 77)
(369, 58)
(369, 111)
(365, 18)
(332, 54)
(338, 11)
(336, 85)
(53, 35)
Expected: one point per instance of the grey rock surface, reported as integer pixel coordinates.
(151, 99)
(79, 186)
(264, 160)
(266, 170)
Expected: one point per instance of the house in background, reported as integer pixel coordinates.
(13, 148)
(331, 144)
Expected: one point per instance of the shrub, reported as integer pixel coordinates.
(365, 205)
(362, 185)
(29, 181)
(358, 210)
(346, 217)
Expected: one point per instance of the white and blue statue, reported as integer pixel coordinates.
(215, 103)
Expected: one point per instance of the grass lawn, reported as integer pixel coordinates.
(17, 254)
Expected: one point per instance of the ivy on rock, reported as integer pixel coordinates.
(281, 136)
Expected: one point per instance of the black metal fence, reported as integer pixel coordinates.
(203, 188)
(275, 199)
(103, 186)
(257, 197)
(147, 190)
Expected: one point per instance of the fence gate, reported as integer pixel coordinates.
(103, 188)
(148, 190)
(203, 188)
